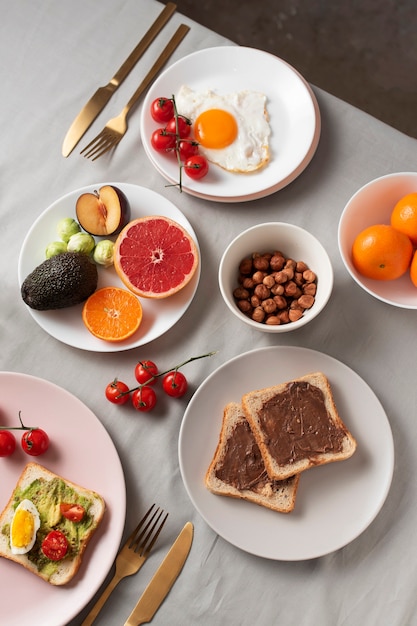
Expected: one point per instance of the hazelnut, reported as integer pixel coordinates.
(241, 294)
(246, 266)
(258, 314)
(262, 291)
(306, 301)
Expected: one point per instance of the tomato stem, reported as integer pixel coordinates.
(21, 427)
(172, 369)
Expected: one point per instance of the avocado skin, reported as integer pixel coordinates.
(59, 282)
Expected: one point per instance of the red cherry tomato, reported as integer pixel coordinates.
(162, 109)
(72, 511)
(35, 441)
(145, 371)
(7, 443)
(162, 141)
(187, 149)
(114, 390)
(175, 384)
(196, 166)
(55, 545)
(184, 126)
(144, 399)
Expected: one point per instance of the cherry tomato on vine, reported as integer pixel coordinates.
(144, 398)
(55, 545)
(162, 109)
(184, 126)
(196, 166)
(114, 390)
(187, 148)
(175, 384)
(7, 443)
(145, 371)
(72, 511)
(35, 441)
(162, 141)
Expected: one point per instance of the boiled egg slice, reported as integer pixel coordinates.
(25, 524)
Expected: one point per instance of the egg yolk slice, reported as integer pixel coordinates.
(215, 128)
(22, 528)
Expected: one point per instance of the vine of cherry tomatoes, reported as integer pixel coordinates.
(34, 441)
(144, 397)
(175, 137)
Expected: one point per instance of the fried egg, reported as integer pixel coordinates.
(25, 524)
(232, 130)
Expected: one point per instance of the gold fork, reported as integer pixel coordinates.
(116, 128)
(132, 556)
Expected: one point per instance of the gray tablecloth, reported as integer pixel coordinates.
(53, 56)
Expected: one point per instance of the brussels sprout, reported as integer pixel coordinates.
(81, 242)
(54, 248)
(103, 253)
(67, 227)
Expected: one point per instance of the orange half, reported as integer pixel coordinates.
(112, 314)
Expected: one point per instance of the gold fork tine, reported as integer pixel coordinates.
(133, 555)
(116, 128)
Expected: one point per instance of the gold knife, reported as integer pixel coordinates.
(98, 101)
(163, 579)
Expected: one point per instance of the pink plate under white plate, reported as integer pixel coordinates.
(292, 108)
(89, 460)
(335, 503)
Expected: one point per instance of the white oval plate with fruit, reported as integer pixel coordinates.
(335, 503)
(25, 597)
(294, 119)
(66, 324)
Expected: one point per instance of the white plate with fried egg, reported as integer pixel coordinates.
(275, 112)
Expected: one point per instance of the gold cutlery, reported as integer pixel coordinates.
(163, 579)
(116, 128)
(101, 97)
(132, 556)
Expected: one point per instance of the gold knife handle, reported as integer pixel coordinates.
(147, 39)
(158, 65)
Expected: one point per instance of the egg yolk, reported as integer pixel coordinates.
(22, 529)
(215, 128)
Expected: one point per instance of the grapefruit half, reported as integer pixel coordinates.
(155, 257)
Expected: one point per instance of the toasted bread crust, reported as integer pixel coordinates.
(276, 495)
(254, 401)
(69, 566)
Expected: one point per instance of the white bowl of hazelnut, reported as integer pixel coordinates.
(275, 277)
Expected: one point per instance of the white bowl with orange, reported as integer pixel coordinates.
(377, 238)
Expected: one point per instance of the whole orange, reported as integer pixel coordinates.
(381, 252)
(404, 216)
(413, 269)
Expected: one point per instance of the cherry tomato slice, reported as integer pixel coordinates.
(196, 166)
(144, 399)
(145, 372)
(72, 511)
(162, 141)
(114, 390)
(184, 126)
(162, 109)
(35, 441)
(175, 384)
(55, 545)
(187, 148)
(7, 443)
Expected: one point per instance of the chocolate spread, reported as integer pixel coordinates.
(242, 465)
(298, 426)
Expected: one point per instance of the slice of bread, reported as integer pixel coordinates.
(50, 490)
(297, 426)
(237, 469)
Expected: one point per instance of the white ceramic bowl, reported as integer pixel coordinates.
(373, 204)
(294, 242)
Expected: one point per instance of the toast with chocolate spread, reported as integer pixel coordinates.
(297, 426)
(237, 469)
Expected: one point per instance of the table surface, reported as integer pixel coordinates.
(54, 55)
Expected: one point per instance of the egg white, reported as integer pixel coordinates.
(28, 506)
(250, 150)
